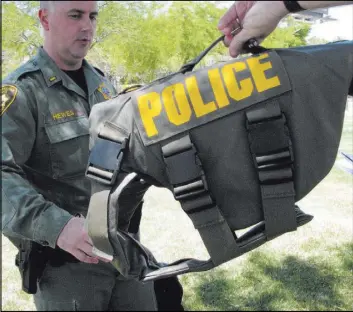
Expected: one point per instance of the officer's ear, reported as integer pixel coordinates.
(43, 18)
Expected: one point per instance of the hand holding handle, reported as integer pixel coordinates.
(250, 46)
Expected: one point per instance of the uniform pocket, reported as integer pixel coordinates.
(68, 147)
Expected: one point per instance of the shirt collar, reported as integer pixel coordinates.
(53, 74)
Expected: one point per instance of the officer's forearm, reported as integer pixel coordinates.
(26, 214)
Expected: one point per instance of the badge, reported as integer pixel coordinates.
(8, 95)
(104, 91)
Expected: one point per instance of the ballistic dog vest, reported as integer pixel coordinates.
(237, 143)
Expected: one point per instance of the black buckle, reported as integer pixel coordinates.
(105, 160)
(185, 192)
(279, 118)
(187, 177)
(275, 168)
(183, 166)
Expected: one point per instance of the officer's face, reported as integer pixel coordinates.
(71, 28)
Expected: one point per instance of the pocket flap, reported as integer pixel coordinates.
(67, 130)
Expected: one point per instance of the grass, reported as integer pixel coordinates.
(310, 269)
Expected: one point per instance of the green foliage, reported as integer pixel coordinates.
(193, 26)
(20, 32)
(138, 41)
(146, 40)
(292, 34)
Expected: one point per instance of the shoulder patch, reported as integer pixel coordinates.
(99, 71)
(8, 95)
(104, 91)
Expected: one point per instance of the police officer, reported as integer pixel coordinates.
(258, 19)
(45, 139)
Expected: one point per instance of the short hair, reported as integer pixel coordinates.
(49, 5)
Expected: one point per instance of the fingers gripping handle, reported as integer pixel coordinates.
(190, 65)
(250, 46)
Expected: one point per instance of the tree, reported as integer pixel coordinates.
(130, 47)
(151, 39)
(293, 33)
(20, 33)
(193, 25)
(139, 41)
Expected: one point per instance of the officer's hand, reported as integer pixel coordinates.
(75, 240)
(258, 20)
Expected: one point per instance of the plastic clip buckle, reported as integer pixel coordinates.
(105, 160)
(275, 168)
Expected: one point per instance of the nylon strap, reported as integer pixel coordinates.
(103, 168)
(97, 220)
(190, 189)
(271, 149)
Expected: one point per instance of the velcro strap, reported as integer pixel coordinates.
(271, 131)
(185, 173)
(103, 168)
(279, 208)
(271, 149)
(96, 222)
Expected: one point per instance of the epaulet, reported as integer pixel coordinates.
(99, 71)
(29, 66)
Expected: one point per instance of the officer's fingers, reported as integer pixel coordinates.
(243, 7)
(227, 30)
(86, 247)
(228, 18)
(227, 40)
(237, 43)
(83, 257)
(103, 259)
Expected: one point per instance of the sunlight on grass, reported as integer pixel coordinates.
(269, 282)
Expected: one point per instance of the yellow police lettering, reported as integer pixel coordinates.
(258, 69)
(237, 91)
(218, 88)
(150, 106)
(197, 102)
(228, 89)
(176, 104)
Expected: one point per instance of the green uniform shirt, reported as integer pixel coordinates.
(45, 147)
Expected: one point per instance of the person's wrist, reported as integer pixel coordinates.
(278, 8)
(59, 236)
